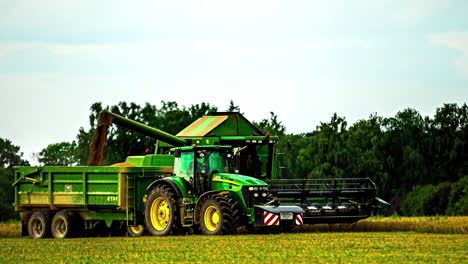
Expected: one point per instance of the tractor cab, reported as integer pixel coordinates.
(198, 164)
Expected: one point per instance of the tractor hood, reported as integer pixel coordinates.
(238, 180)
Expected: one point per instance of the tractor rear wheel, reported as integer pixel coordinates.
(39, 225)
(65, 225)
(161, 212)
(219, 215)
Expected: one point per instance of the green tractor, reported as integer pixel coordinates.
(203, 193)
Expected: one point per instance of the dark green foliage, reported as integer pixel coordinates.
(59, 154)
(427, 200)
(458, 203)
(6, 196)
(271, 126)
(233, 108)
(10, 156)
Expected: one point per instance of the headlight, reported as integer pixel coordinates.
(251, 188)
(255, 188)
(255, 194)
(264, 195)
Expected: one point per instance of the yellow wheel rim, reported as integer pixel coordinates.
(160, 214)
(136, 229)
(211, 218)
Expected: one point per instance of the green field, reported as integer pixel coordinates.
(353, 244)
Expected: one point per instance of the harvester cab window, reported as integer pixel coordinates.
(248, 162)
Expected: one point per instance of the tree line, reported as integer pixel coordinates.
(419, 164)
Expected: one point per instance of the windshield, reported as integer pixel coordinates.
(212, 162)
(208, 162)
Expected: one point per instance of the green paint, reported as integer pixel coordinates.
(202, 126)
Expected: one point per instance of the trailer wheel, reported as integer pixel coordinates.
(136, 231)
(161, 214)
(64, 225)
(39, 225)
(219, 215)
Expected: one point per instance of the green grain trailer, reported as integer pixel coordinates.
(216, 175)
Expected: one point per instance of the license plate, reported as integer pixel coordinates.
(286, 215)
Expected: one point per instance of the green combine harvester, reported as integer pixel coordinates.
(216, 175)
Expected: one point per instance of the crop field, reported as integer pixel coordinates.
(399, 240)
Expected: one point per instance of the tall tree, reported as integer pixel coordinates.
(59, 154)
(10, 154)
(233, 107)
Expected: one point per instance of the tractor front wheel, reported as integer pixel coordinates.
(136, 231)
(161, 214)
(219, 215)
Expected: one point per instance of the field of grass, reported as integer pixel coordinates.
(402, 240)
(433, 224)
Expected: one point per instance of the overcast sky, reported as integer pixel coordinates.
(304, 60)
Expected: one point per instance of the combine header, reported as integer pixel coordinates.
(214, 176)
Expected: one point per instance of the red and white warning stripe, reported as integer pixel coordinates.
(270, 219)
(298, 219)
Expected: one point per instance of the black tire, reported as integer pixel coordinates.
(161, 212)
(219, 215)
(39, 225)
(136, 231)
(65, 224)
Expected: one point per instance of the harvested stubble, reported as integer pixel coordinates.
(435, 224)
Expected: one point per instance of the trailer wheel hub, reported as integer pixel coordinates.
(211, 218)
(160, 213)
(37, 227)
(61, 227)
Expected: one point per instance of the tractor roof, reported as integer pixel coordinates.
(220, 124)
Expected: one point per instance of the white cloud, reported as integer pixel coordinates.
(458, 41)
